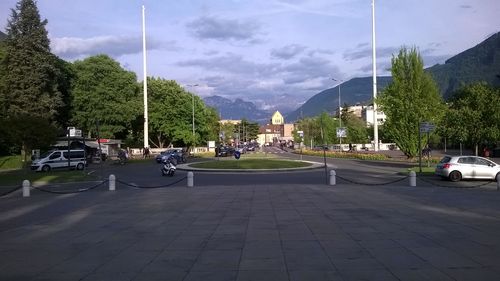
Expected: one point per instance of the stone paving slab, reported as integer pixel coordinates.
(292, 232)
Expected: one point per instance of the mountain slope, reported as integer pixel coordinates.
(237, 109)
(356, 90)
(480, 63)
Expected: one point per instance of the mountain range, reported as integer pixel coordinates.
(480, 63)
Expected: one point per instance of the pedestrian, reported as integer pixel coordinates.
(486, 152)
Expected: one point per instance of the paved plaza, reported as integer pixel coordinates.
(273, 232)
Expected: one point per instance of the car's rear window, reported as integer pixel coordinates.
(445, 159)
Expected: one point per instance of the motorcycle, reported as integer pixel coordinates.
(168, 168)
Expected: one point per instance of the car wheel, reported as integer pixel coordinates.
(497, 177)
(455, 176)
(46, 168)
(79, 166)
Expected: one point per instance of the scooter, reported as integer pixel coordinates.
(168, 168)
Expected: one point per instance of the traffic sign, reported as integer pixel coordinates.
(426, 127)
(341, 132)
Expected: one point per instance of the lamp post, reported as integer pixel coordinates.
(374, 66)
(340, 111)
(192, 99)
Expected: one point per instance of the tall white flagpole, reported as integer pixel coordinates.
(374, 56)
(145, 82)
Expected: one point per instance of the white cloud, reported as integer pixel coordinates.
(208, 27)
(287, 52)
(115, 46)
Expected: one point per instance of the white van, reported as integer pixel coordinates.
(59, 159)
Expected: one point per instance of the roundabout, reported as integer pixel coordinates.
(251, 165)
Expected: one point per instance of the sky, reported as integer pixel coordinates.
(270, 52)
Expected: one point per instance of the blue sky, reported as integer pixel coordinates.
(261, 50)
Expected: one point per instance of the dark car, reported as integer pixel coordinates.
(223, 151)
(178, 154)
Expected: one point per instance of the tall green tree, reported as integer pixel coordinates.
(411, 98)
(474, 116)
(104, 92)
(29, 92)
(30, 77)
(357, 132)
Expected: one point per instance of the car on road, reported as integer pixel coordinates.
(223, 151)
(456, 168)
(178, 154)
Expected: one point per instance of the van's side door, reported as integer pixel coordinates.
(55, 159)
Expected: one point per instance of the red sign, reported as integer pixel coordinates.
(103, 140)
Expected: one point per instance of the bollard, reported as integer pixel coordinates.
(26, 188)
(190, 179)
(112, 182)
(413, 178)
(333, 179)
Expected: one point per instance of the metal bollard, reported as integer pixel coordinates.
(413, 178)
(333, 179)
(112, 182)
(26, 188)
(190, 179)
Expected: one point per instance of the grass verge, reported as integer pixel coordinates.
(254, 163)
(11, 162)
(16, 177)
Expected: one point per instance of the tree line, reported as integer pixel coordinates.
(41, 95)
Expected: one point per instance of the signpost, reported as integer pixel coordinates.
(341, 133)
(425, 127)
(301, 135)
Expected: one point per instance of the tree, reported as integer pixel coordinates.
(170, 112)
(474, 115)
(30, 72)
(357, 131)
(247, 130)
(104, 92)
(29, 90)
(31, 131)
(411, 98)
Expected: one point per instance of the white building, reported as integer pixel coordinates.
(368, 116)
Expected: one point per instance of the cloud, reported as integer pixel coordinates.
(321, 51)
(115, 46)
(222, 30)
(232, 64)
(365, 52)
(466, 6)
(287, 52)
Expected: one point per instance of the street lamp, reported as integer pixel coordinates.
(340, 111)
(192, 98)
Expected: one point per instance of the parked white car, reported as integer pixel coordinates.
(457, 168)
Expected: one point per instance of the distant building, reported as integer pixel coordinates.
(277, 119)
(229, 121)
(277, 131)
(368, 116)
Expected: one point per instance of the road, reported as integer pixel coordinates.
(349, 171)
